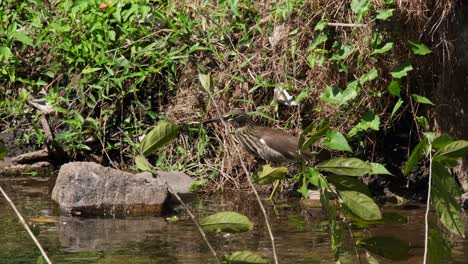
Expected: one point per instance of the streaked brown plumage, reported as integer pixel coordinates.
(270, 144)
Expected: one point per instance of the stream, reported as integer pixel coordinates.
(301, 235)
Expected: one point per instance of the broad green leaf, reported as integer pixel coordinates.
(360, 204)
(422, 99)
(394, 88)
(345, 166)
(345, 183)
(198, 184)
(3, 151)
(444, 190)
(5, 54)
(378, 168)
(369, 76)
(382, 48)
(439, 246)
(415, 156)
(336, 141)
(384, 14)
(441, 141)
(337, 96)
(163, 133)
(360, 8)
(397, 106)
(230, 222)
(269, 174)
(315, 133)
(22, 37)
(387, 247)
(454, 150)
(243, 257)
(419, 48)
(205, 81)
(142, 164)
(321, 25)
(368, 121)
(321, 38)
(401, 71)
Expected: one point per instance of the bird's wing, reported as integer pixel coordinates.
(280, 142)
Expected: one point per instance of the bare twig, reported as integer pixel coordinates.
(25, 225)
(336, 24)
(426, 217)
(244, 167)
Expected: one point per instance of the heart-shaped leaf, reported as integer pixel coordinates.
(419, 48)
(269, 174)
(345, 166)
(163, 133)
(230, 222)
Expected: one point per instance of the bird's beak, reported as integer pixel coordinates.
(226, 117)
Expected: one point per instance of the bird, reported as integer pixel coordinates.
(270, 144)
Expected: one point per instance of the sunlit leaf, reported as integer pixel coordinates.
(336, 141)
(439, 246)
(415, 156)
(454, 150)
(401, 71)
(89, 70)
(5, 54)
(337, 96)
(163, 133)
(321, 25)
(387, 247)
(360, 8)
(243, 257)
(444, 190)
(419, 48)
(198, 183)
(397, 106)
(269, 174)
(394, 88)
(345, 166)
(230, 222)
(378, 168)
(382, 48)
(3, 151)
(22, 37)
(143, 164)
(369, 76)
(205, 81)
(384, 14)
(368, 121)
(422, 99)
(345, 183)
(360, 204)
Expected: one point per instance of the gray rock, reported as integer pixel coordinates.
(87, 188)
(464, 201)
(178, 181)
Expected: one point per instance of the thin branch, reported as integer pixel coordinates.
(25, 225)
(333, 24)
(244, 167)
(426, 217)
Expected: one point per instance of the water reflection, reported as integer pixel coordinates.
(301, 235)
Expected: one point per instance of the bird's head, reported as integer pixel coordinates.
(238, 116)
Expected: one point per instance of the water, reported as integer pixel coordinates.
(301, 234)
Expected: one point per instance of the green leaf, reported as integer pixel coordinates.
(89, 70)
(303, 94)
(337, 96)
(439, 247)
(401, 71)
(163, 133)
(345, 166)
(387, 247)
(419, 48)
(205, 81)
(243, 257)
(230, 222)
(397, 106)
(321, 24)
(422, 99)
(383, 48)
(142, 164)
(384, 14)
(22, 37)
(369, 76)
(444, 190)
(360, 204)
(368, 121)
(198, 183)
(441, 141)
(336, 141)
(345, 183)
(269, 174)
(453, 150)
(394, 88)
(316, 131)
(3, 151)
(5, 54)
(360, 8)
(377, 168)
(415, 156)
